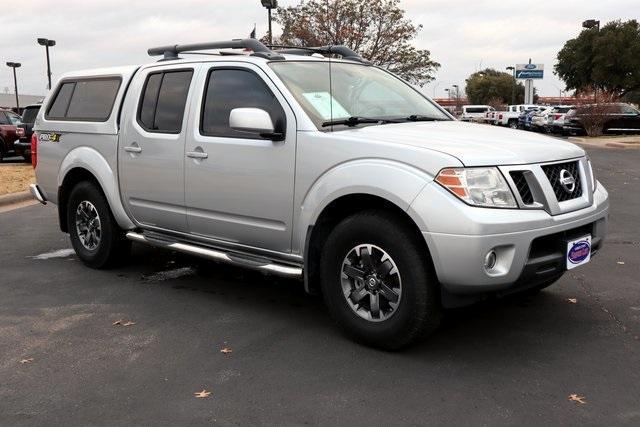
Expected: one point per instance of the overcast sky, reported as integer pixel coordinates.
(463, 35)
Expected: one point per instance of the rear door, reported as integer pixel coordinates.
(151, 147)
(239, 185)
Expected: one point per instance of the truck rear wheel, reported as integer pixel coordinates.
(95, 235)
(377, 281)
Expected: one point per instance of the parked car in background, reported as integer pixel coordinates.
(8, 122)
(539, 119)
(490, 117)
(620, 118)
(555, 119)
(524, 119)
(510, 116)
(475, 113)
(24, 131)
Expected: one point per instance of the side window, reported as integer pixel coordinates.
(233, 88)
(163, 101)
(3, 118)
(58, 108)
(85, 100)
(93, 99)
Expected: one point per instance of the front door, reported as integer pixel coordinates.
(239, 185)
(151, 148)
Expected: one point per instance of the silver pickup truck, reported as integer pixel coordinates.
(313, 163)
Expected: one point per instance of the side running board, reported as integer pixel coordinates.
(261, 264)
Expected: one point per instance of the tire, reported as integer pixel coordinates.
(106, 244)
(27, 159)
(417, 311)
(513, 124)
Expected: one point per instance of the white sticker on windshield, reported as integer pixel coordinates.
(324, 104)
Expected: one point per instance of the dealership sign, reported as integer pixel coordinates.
(529, 71)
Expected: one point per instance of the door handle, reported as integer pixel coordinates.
(197, 154)
(133, 149)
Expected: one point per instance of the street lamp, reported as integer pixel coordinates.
(457, 96)
(15, 65)
(513, 89)
(270, 4)
(47, 44)
(591, 23)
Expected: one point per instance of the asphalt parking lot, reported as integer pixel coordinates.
(513, 362)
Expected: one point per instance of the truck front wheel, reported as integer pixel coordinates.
(377, 281)
(95, 235)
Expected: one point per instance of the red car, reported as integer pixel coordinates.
(8, 122)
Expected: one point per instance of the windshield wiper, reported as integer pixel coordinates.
(354, 121)
(420, 118)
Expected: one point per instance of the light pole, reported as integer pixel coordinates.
(15, 65)
(589, 24)
(47, 44)
(513, 89)
(457, 96)
(270, 4)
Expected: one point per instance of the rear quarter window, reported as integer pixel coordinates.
(84, 100)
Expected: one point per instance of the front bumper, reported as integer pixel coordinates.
(529, 244)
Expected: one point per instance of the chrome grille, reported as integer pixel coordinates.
(553, 175)
(522, 186)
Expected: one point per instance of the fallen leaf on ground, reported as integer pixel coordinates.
(572, 300)
(621, 262)
(123, 322)
(226, 350)
(576, 398)
(202, 394)
(29, 360)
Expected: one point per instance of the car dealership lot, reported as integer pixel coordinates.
(509, 362)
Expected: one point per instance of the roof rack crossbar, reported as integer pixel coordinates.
(341, 50)
(259, 49)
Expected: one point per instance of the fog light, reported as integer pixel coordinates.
(490, 260)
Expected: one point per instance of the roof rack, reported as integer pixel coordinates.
(260, 50)
(341, 50)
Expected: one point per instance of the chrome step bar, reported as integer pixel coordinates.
(259, 264)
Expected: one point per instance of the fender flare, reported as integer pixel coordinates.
(91, 160)
(393, 181)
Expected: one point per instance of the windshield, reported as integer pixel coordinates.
(14, 119)
(336, 90)
(29, 114)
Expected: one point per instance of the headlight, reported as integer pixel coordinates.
(593, 176)
(484, 187)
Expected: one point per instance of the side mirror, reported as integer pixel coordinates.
(254, 120)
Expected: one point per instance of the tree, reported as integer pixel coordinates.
(605, 60)
(489, 87)
(376, 29)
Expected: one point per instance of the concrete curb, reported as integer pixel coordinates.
(603, 142)
(13, 198)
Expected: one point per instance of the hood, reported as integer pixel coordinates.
(473, 144)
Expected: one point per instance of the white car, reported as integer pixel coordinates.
(555, 119)
(475, 113)
(509, 117)
(540, 118)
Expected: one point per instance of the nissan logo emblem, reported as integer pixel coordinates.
(567, 181)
